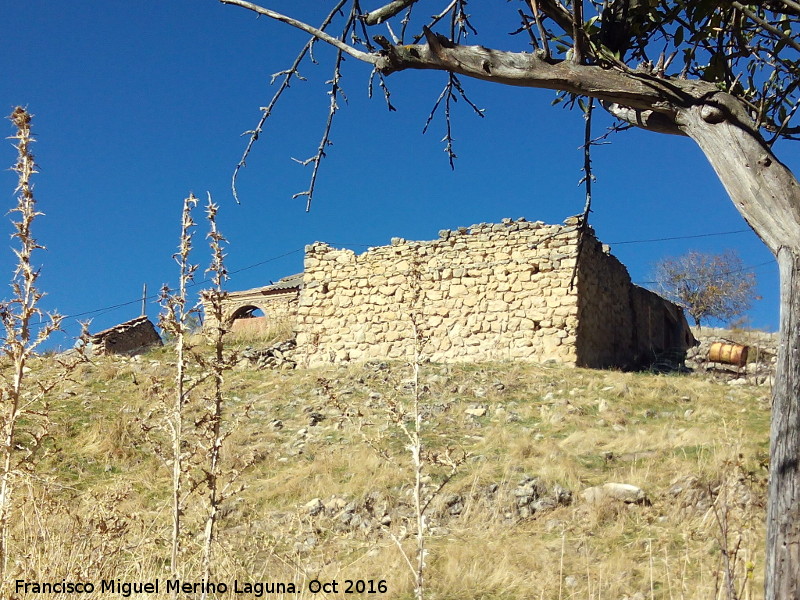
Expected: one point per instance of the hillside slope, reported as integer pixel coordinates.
(327, 482)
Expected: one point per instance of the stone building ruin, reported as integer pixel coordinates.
(277, 302)
(130, 337)
(515, 290)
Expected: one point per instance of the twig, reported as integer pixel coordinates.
(447, 95)
(587, 180)
(387, 11)
(527, 26)
(542, 34)
(318, 33)
(577, 32)
(267, 110)
(766, 25)
(435, 19)
(333, 107)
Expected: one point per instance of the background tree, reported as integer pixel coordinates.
(724, 73)
(716, 286)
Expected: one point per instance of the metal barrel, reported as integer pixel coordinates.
(730, 354)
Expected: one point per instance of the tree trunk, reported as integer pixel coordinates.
(768, 196)
(783, 510)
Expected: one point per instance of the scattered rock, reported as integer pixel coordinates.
(476, 412)
(277, 356)
(314, 507)
(621, 492)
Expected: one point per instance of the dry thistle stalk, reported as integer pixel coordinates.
(409, 415)
(211, 422)
(173, 320)
(414, 436)
(196, 422)
(19, 445)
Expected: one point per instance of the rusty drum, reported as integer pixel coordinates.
(730, 354)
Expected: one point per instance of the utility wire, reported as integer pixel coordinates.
(680, 237)
(152, 297)
(734, 271)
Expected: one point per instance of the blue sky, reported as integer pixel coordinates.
(138, 103)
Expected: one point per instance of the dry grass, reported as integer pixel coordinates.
(100, 505)
(265, 333)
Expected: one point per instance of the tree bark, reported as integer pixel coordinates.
(783, 509)
(768, 196)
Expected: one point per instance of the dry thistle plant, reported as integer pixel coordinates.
(173, 320)
(210, 426)
(423, 459)
(432, 468)
(24, 409)
(193, 414)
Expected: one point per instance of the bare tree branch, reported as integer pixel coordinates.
(638, 90)
(318, 33)
(386, 12)
(334, 94)
(645, 119)
(267, 110)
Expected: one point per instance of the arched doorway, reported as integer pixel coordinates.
(248, 318)
(247, 312)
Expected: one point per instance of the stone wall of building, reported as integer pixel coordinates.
(506, 291)
(488, 292)
(130, 337)
(606, 320)
(277, 305)
(622, 324)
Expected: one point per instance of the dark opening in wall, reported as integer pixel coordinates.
(247, 312)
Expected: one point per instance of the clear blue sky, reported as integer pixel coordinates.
(138, 103)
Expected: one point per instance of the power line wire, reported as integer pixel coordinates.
(742, 270)
(680, 237)
(152, 297)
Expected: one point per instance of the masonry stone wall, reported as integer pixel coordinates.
(622, 324)
(502, 291)
(606, 319)
(488, 292)
(277, 307)
(130, 337)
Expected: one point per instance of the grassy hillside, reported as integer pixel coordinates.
(327, 482)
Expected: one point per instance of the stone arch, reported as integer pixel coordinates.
(247, 311)
(247, 316)
(277, 303)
